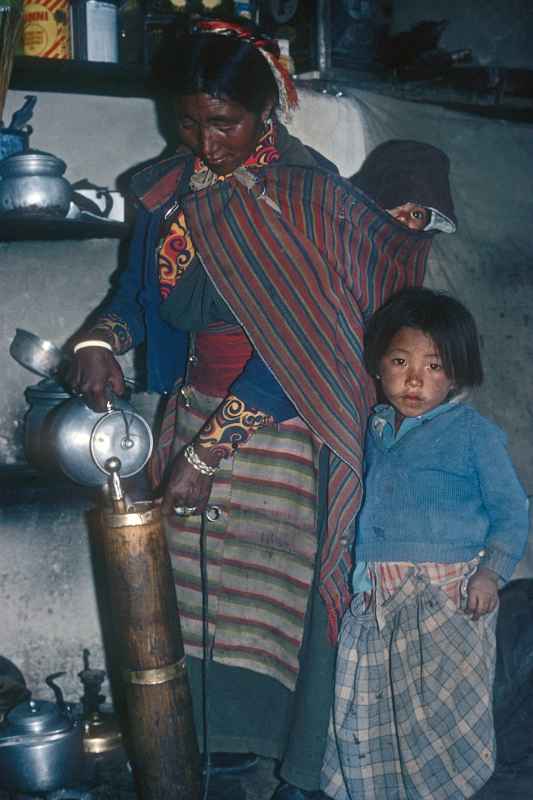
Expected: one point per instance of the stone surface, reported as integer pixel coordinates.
(508, 783)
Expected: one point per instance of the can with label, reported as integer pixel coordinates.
(45, 28)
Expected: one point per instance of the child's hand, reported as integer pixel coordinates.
(482, 593)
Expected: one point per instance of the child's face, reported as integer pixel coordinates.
(412, 374)
(411, 215)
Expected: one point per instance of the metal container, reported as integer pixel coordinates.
(32, 183)
(42, 398)
(41, 748)
(83, 440)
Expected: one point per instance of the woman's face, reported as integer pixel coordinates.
(411, 215)
(220, 132)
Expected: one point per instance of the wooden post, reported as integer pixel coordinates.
(160, 730)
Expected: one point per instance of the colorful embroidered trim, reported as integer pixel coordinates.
(177, 250)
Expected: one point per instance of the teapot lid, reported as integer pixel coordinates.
(36, 716)
(124, 434)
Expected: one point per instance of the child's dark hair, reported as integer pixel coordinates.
(443, 318)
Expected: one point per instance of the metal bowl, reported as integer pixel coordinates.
(36, 354)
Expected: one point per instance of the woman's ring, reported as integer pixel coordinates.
(184, 511)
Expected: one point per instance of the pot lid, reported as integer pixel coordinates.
(101, 733)
(36, 716)
(31, 162)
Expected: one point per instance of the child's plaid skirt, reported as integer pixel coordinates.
(412, 714)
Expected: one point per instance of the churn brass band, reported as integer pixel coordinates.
(152, 677)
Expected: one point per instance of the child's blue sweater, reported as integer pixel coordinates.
(442, 490)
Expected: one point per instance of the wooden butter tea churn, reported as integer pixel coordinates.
(160, 731)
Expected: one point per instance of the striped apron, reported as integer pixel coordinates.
(260, 551)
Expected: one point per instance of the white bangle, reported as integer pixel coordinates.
(92, 343)
(195, 461)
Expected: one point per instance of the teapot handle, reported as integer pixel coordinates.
(111, 397)
(56, 689)
(108, 199)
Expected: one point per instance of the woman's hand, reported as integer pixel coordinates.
(482, 593)
(186, 486)
(94, 373)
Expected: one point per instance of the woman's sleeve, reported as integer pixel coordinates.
(504, 499)
(257, 388)
(123, 314)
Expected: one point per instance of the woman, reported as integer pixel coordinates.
(254, 261)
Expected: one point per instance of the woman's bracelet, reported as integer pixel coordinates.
(195, 461)
(92, 343)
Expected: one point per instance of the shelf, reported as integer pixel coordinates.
(16, 229)
(79, 77)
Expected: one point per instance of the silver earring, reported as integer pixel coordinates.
(377, 377)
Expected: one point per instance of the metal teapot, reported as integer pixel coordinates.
(83, 440)
(62, 432)
(41, 745)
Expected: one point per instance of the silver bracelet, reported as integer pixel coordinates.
(195, 461)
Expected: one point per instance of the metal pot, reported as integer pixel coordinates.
(42, 398)
(32, 183)
(83, 440)
(41, 747)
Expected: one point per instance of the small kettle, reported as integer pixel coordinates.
(41, 745)
(65, 433)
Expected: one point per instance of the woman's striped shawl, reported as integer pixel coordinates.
(302, 258)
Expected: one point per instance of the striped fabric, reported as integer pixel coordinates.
(261, 550)
(412, 716)
(302, 259)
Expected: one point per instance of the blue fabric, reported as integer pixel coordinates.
(443, 490)
(136, 301)
(258, 388)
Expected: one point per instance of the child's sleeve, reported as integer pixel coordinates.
(503, 497)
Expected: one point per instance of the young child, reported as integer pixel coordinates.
(443, 524)
(411, 181)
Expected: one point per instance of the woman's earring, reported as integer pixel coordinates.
(377, 377)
